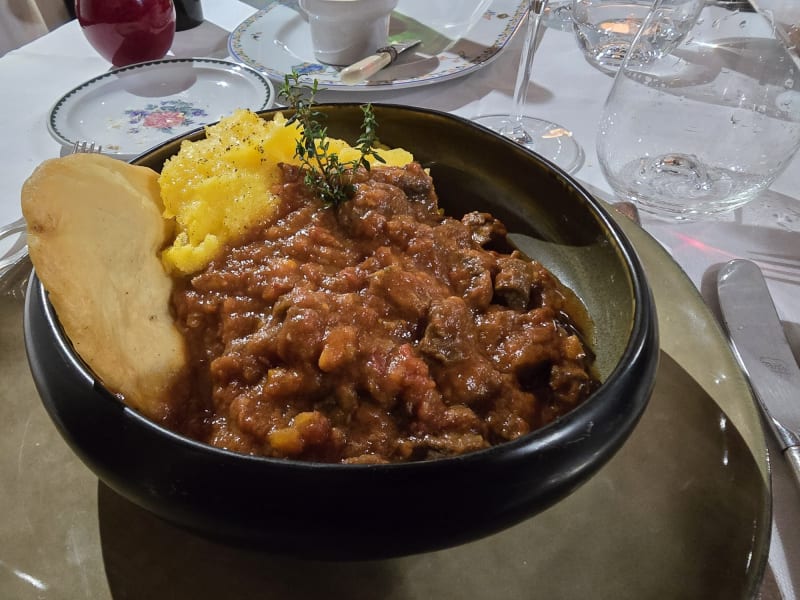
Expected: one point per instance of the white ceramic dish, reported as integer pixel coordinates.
(342, 37)
(134, 108)
(277, 39)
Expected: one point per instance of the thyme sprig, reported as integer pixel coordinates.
(324, 173)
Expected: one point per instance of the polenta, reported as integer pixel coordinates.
(218, 187)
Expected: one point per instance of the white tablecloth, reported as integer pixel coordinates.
(564, 89)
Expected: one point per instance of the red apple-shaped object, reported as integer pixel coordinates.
(128, 31)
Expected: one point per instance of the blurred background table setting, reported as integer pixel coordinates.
(472, 61)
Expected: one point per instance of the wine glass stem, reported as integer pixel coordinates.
(535, 10)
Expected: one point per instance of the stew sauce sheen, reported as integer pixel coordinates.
(376, 331)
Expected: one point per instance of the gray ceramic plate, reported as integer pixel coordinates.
(682, 511)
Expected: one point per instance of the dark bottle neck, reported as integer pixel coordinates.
(188, 14)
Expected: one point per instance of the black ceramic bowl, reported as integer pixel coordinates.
(372, 511)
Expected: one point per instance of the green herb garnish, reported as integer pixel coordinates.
(325, 174)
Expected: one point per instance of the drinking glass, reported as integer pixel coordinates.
(558, 15)
(606, 28)
(549, 140)
(127, 31)
(700, 125)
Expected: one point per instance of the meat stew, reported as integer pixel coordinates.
(376, 331)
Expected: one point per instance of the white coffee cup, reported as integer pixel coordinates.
(345, 31)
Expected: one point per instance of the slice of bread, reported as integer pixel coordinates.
(95, 230)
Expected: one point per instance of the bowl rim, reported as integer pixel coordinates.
(555, 433)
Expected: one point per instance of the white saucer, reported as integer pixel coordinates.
(277, 40)
(131, 109)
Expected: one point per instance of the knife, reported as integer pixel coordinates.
(763, 352)
(367, 67)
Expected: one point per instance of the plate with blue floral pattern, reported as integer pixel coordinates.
(131, 109)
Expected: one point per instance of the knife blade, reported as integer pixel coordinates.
(761, 347)
(367, 67)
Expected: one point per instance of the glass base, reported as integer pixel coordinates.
(681, 187)
(548, 140)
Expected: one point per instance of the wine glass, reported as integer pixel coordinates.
(704, 113)
(549, 140)
(127, 31)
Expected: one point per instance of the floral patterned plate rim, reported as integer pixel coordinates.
(131, 109)
(276, 40)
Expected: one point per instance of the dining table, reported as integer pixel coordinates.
(64, 534)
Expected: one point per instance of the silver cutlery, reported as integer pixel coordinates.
(367, 67)
(761, 347)
(14, 266)
(8, 230)
(778, 266)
